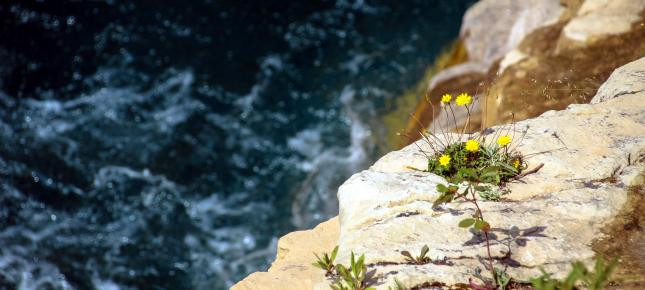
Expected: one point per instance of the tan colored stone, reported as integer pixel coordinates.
(492, 28)
(628, 79)
(292, 268)
(513, 57)
(599, 18)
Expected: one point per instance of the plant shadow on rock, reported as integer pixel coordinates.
(507, 237)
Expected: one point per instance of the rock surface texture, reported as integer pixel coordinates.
(599, 18)
(626, 80)
(492, 28)
(292, 266)
(591, 154)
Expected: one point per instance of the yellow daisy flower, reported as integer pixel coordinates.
(444, 160)
(446, 98)
(472, 145)
(516, 163)
(503, 140)
(463, 99)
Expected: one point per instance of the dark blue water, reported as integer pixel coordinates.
(168, 144)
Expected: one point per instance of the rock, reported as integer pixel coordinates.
(628, 79)
(599, 18)
(513, 57)
(292, 267)
(550, 77)
(554, 62)
(492, 28)
(549, 219)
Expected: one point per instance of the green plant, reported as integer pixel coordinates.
(420, 259)
(326, 263)
(592, 280)
(491, 194)
(454, 151)
(471, 179)
(510, 165)
(501, 279)
(354, 278)
(397, 285)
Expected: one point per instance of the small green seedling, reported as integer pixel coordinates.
(419, 260)
(501, 279)
(326, 263)
(397, 285)
(596, 280)
(353, 278)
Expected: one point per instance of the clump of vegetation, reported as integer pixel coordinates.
(352, 278)
(326, 263)
(397, 285)
(420, 259)
(472, 179)
(471, 166)
(453, 151)
(579, 274)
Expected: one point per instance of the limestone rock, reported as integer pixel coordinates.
(556, 73)
(598, 18)
(292, 267)
(492, 28)
(513, 57)
(548, 220)
(628, 79)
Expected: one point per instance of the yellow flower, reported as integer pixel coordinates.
(516, 163)
(464, 99)
(444, 160)
(503, 140)
(472, 145)
(446, 98)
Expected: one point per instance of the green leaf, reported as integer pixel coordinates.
(444, 198)
(319, 265)
(482, 225)
(509, 168)
(333, 254)
(467, 173)
(407, 255)
(361, 262)
(342, 271)
(482, 188)
(456, 179)
(441, 188)
(466, 222)
(424, 251)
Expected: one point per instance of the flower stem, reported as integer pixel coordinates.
(481, 216)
